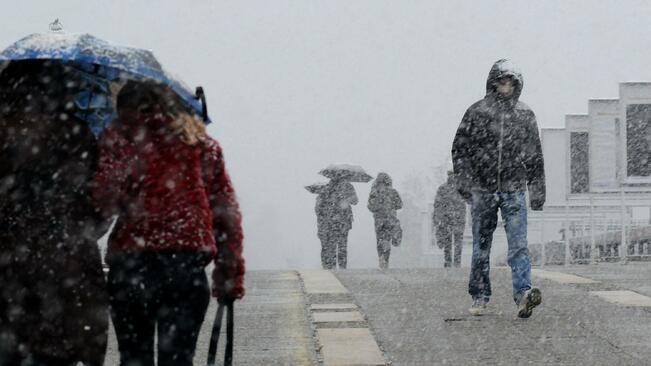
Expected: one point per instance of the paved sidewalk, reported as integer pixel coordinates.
(634, 276)
(271, 325)
(343, 335)
(419, 317)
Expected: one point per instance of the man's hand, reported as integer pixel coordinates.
(537, 205)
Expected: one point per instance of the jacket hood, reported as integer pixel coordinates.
(500, 69)
(383, 179)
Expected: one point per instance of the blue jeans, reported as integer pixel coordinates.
(513, 206)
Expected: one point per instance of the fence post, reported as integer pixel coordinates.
(566, 230)
(593, 246)
(542, 239)
(623, 247)
(427, 237)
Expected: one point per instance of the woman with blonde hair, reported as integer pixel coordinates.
(165, 179)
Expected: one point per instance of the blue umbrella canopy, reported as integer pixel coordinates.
(100, 63)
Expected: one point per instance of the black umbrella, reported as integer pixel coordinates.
(347, 172)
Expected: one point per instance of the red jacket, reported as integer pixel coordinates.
(170, 195)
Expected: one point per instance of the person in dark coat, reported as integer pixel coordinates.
(177, 211)
(383, 202)
(334, 219)
(53, 301)
(449, 219)
(497, 158)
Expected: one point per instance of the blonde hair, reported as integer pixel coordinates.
(159, 98)
(188, 126)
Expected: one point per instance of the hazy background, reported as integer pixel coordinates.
(295, 85)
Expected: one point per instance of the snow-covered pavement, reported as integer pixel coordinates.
(419, 317)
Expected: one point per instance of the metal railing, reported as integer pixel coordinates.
(595, 227)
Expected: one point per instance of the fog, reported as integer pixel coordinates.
(293, 86)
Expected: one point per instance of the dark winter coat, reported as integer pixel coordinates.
(53, 292)
(449, 206)
(333, 207)
(497, 146)
(383, 202)
(170, 196)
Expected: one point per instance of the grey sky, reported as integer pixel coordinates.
(295, 85)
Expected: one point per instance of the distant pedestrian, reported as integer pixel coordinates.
(497, 156)
(449, 220)
(165, 179)
(334, 219)
(383, 202)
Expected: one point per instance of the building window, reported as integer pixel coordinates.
(638, 140)
(579, 163)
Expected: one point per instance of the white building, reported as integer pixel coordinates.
(598, 175)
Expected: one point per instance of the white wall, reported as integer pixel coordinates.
(603, 144)
(555, 155)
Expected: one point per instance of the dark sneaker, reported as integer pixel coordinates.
(478, 306)
(530, 300)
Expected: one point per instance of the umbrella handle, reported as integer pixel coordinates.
(228, 354)
(200, 95)
(214, 337)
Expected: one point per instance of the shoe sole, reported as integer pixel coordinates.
(534, 298)
(477, 312)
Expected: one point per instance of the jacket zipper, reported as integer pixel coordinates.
(499, 153)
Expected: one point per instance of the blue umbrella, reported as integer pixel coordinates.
(100, 63)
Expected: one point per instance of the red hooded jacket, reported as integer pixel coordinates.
(170, 195)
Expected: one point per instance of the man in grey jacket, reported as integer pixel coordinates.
(497, 157)
(449, 219)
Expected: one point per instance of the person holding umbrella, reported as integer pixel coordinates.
(53, 302)
(335, 214)
(165, 179)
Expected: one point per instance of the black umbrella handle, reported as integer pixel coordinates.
(228, 358)
(214, 337)
(216, 329)
(200, 95)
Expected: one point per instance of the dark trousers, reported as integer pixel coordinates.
(53, 304)
(387, 233)
(32, 360)
(334, 248)
(450, 239)
(383, 256)
(164, 292)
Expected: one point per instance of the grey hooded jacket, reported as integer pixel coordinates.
(384, 200)
(449, 208)
(497, 146)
